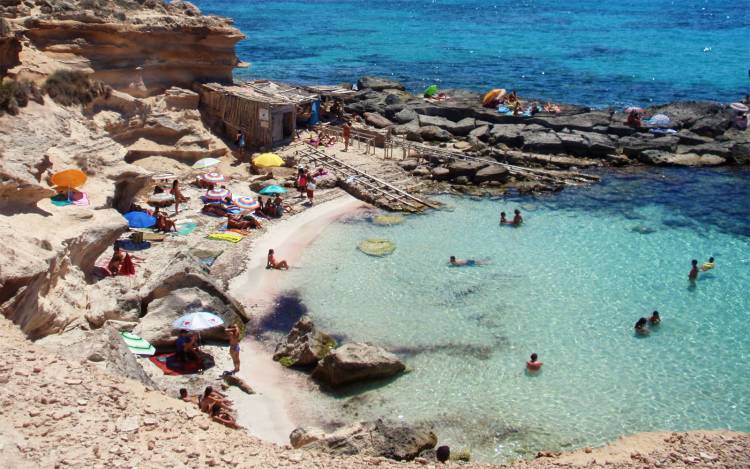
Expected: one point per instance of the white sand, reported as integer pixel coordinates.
(267, 414)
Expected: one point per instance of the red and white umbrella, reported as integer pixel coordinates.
(247, 203)
(213, 178)
(198, 321)
(217, 194)
(739, 107)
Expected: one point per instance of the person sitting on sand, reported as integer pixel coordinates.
(640, 327)
(164, 224)
(218, 414)
(534, 364)
(158, 189)
(273, 264)
(211, 397)
(118, 258)
(710, 264)
(185, 349)
(278, 205)
(179, 198)
(517, 218)
(655, 319)
(233, 333)
(503, 220)
(693, 275)
(187, 398)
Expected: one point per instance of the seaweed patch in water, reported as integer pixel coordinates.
(480, 352)
(287, 310)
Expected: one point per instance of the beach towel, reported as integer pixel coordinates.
(60, 200)
(185, 229)
(170, 365)
(80, 199)
(147, 236)
(130, 245)
(230, 237)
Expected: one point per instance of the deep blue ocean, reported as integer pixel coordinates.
(591, 52)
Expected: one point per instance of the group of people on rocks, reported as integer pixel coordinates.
(215, 404)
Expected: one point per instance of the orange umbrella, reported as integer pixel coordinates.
(70, 178)
(492, 96)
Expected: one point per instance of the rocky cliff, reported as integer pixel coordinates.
(141, 47)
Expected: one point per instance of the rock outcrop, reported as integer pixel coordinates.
(356, 362)
(142, 48)
(389, 439)
(304, 346)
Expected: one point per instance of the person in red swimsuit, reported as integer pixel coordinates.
(534, 364)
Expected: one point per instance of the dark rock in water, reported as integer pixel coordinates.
(432, 133)
(492, 173)
(304, 346)
(691, 138)
(465, 168)
(542, 142)
(408, 165)
(405, 115)
(377, 121)
(643, 230)
(287, 310)
(382, 438)
(740, 153)
(712, 126)
(507, 134)
(441, 174)
(379, 84)
(661, 158)
(355, 363)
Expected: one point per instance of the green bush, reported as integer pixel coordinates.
(16, 94)
(67, 87)
(286, 361)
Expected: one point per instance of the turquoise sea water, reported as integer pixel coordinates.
(569, 285)
(585, 51)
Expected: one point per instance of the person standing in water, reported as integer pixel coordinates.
(503, 220)
(693, 275)
(640, 327)
(233, 332)
(517, 218)
(534, 364)
(655, 319)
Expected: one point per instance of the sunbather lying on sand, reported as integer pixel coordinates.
(215, 209)
(237, 222)
(187, 398)
(218, 414)
(211, 398)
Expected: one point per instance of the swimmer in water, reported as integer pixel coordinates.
(465, 262)
(708, 265)
(503, 220)
(640, 327)
(517, 218)
(533, 364)
(655, 319)
(693, 275)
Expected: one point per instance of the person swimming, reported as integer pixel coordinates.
(534, 364)
(465, 262)
(503, 220)
(655, 319)
(640, 327)
(708, 265)
(693, 275)
(517, 218)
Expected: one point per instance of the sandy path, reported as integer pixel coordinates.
(267, 414)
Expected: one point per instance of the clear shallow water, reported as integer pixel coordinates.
(589, 51)
(568, 285)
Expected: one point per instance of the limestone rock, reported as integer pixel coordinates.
(633, 146)
(378, 84)
(542, 142)
(179, 99)
(305, 345)
(494, 173)
(465, 168)
(405, 115)
(377, 121)
(432, 133)
(357, 362)
(383, 438)
(662, 158)
(507, 134)
(441, 174)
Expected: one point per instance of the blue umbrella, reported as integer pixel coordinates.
(271, 190)
(140, 220)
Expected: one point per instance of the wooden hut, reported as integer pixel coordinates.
(264, 111)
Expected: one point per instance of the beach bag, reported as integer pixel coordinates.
(137, 237)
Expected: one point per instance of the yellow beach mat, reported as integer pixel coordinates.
(153, 236)
(231, 237)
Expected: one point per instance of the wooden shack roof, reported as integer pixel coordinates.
(334, 91)
(265, 91)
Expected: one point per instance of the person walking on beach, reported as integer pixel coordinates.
(310, 188)
(693, 275)
(273, 264)
(346, 131)
(301, 181)
(233, 332)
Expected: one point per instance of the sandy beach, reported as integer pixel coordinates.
(268, 414)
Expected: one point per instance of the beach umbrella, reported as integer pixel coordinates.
(213, 178)
(492, 96)
(247, 203)
(69, 179)
(161, 200)
(268, 160)
(204, 163)
(198, 321)
(659, 120)
(140, 220)
(430, 90)
(217, 194)
(739, 107)
(630, 109)
(271, 190)
(136, 344)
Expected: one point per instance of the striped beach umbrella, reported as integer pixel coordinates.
(247, 203)
(217, 194)
(205, 163)
(213, 178)
(137, 344)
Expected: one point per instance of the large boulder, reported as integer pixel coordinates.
(404, 129)
(379, 84)
(688, 137)
(599, 145)
(712, 125)
(180, 99)
(507, 134)
(686, 113)
(156, 325)
(304, 346)
(381, 438)
(437, 121)
(377, 121)
(492, 173)
(464, 126)
(465, 168)
(480, 133)
(433, 133)
(662, 158)
(719, 149)
(635, 145)
(542, 142)
(441, 174)
(356, 362)
(405, 115)
(574, 144)
(740, 153)
(585, 122)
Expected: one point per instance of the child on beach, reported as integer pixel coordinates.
(310, 189)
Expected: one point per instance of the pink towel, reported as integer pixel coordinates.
(80, 199)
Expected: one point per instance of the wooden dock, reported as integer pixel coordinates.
(382, 188)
